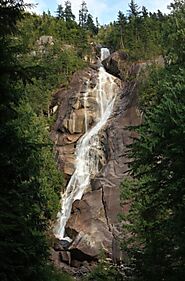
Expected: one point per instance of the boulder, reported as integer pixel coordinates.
(44, 40)
(69, 165)
(117, 64)
(75, 123)
(65, 256)
(58, 247)
(89, 221)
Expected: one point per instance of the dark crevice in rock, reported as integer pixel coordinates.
(105, 209)
(78, 255)
(71, 233)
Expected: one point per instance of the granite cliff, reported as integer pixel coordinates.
(93, 221)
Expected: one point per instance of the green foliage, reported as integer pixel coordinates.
(10, 12)
(149, 95)
(57, 67)
(30, 181)
(145, 35)
(92, 29)
(29, 193)
(156, 215)
(139, 33)
(153, 230)
(154, 236)
(104, 271)
(55, 62)
(175, 35)
(48, 273)
(65, 31)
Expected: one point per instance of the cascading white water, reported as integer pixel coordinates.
(105, 53)
(87, 156)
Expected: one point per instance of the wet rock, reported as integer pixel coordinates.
(65, 243)
(77, 104)
(93, 216)
(94, 66)
(70, 124)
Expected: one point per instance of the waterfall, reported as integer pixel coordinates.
(88, 147)
(105, 53)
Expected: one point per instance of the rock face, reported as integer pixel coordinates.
(117, 64)
(70, 124)
(89, 220)
(44, 40)
(94, 217)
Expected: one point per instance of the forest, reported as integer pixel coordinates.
(39, 54)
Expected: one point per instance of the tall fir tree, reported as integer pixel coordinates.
(60, 12)
(68, 14)
(122, 25)
(90, 25)
(134, 9)
(155, 223)
(83, 15)
(30, 182)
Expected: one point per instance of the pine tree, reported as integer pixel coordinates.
(176, 38)
(60, 12)
(134, 9)
(144, 12)
(30, 182)
(97, 23)
(122, 24)
(155, 234)
(90, 24)
(157, 213)
(83, 15)
(68, 14)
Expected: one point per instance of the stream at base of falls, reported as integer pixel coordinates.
(86, 154)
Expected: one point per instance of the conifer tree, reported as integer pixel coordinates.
(90, 24)
(158, 189)
(155, 232)
(60, 12)
(144, 12)
(122, 24)
(68, 14)
(30, 182)
(83, 15)
(134, 9)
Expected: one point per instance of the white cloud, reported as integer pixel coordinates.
(38, 6)
(155, 5)
(95, 7)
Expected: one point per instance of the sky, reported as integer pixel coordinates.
(105, 10)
